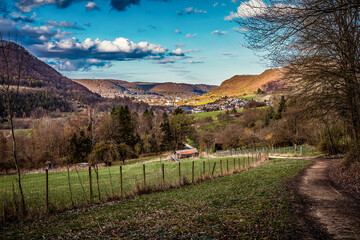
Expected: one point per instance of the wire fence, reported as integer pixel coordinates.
(52, 191)
(299, 150)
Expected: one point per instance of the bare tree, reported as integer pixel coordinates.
(10, 77)
(318, 43)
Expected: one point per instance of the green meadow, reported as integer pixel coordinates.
(253, 204)
(67, 191)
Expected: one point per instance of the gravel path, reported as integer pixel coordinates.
(326, 205)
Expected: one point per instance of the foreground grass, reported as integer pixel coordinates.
(248, 205)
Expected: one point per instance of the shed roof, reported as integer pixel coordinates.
(187, 151)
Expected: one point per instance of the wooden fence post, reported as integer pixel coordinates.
(234, 163)
(180, 172)
(192, 173)
(47, 191)
(204, 168)
(227, 165)
(144, 174)
(90, 186)
(121, 182)
(221, 168)
(212, 174)
(163, 173)
(239, 163)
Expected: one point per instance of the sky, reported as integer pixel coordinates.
(135, 40)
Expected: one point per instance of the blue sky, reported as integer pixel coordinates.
(134, 40)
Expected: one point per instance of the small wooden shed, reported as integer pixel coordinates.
(187, 153)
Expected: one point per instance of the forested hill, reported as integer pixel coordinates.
(37, 74)
(268, 81)
(111, 88)
(41, 85)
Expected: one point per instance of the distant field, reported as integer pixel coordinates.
(207, 114)
(249, 205)
(212, 114)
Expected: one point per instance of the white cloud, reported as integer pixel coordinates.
(193, 62)
(7, 25)
(251, 8)
(190, 10)
(63, 24)
(91, 6)
(27, 5)
(166, 61)
(120, 49)
(177, 52)
(191, 35)
(18, 17)
(215, 4)
(180, 52)
(79, 64)
(240, 30)
(177, 31)
(218, 32)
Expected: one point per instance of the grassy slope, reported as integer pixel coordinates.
(212, 114)
(207, 114)
(248, 205)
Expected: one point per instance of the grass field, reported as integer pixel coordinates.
(248, 205)
(207, 114)
(212, 114)
(109, 182)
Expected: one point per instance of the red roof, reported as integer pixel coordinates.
(187, 151)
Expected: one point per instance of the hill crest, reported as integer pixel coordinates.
(111, 88)
(268, 81)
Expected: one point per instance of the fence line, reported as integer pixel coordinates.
(250, 151)
(53, 191)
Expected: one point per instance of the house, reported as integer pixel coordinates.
(187, 153)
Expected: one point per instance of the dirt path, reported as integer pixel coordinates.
(326, 206)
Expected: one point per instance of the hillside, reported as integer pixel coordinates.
(111, 88)
(41, 83)
(268, 81)
(181, 89)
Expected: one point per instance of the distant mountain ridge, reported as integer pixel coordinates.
(111, 88)
(268, 81)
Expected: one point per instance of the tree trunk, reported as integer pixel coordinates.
(16, 162)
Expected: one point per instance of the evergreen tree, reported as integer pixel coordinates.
(167, 137)
(270, 114)
(124, 126)
(281, 108)
(79, 147)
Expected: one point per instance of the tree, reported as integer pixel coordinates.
(11, 73)
(317, 42)
(80, 147)
(178, 111)
(124, 126)
(270, 114)
(124, 134)
(180, 128)
(281, 108)
(167, 138)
